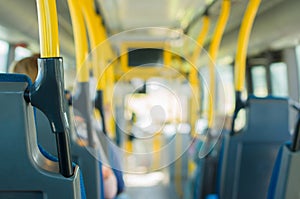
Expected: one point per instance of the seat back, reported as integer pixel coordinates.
(24, 171)
(82, 155)
(248, 157)
(286, 177)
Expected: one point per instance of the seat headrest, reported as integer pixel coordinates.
(6, 77)
(267, 116)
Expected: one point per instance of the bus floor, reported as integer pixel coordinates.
(148, 186)
(155, 175)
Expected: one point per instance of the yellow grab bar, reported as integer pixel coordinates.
(243, 40)
(201, 38)
(107, 51)
(91, 22)
(96, 35)
(193, 76)
(48, 28)
(80, 38)
(213, 52)
(200, 42)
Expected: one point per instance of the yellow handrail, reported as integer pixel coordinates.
(107, 80)
(80, 38)
(89, 16)
(48, 28)
(193, 76)
(213, 52)
(201, 38)
(243, 40)
(96, 35)
(200, 42)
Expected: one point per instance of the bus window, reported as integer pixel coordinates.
(279, 79)
(298, 58)
(227, 76)
(3, 55)
(258, 74)
(298, 54)
(21, 52)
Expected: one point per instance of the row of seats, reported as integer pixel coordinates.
(246, 159)
(29, 170)
(25, 171)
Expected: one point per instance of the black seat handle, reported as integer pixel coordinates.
(239, 105)
(100, 108)
(47, 94)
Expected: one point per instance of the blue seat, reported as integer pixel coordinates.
(38, 171)
(53, 158)
(82, 155)
(275, 174)
(247, 158)
(285, 177)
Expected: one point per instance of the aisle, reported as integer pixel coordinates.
(149, 186)
(157, 192)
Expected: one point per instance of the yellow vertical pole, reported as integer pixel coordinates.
(128, 146)
(193, 76)
(243, 40)
(156, 150)
(80, 38)
(201, 38)
(101, 57)
(48, 28)
(213, 52)
(49, 48)
(240, 59)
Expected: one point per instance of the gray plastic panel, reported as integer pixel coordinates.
(249, 156)
(83, 103)
(82, 155)
(289, 176)
(209, 166)
(24, 171)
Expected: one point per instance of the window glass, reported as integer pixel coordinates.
(226, 71)
(259, 81)
(298, 54)
(298, 58)
(21, 52)
(4, 46)
(279, 79)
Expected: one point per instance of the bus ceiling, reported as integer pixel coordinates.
(126, 14)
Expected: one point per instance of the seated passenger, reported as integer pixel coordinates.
(29, 67)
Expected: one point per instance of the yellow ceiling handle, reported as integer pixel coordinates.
(48, 28)
(80, 38)
(243, 40)
(213, 52)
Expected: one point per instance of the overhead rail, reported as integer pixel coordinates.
(213, 52)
